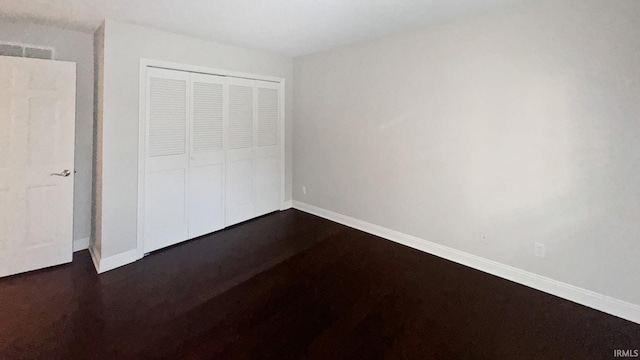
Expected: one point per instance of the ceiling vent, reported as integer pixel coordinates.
(27, 51)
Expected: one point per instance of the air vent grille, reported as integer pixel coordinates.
(27, 51)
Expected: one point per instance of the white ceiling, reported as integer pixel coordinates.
(291, 27)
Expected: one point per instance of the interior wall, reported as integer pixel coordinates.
(96, 209)
(77, 47)
(124, 45)
(488, 135)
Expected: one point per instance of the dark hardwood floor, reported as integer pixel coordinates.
(289, 286)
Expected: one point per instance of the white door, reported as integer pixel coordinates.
(166, 200)
(37, 131)
(240, 152)
(268, 182)
(206, 168)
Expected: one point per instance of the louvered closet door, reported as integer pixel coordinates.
(240, 151)
(166, 199)
(268, 184)
(206, 170)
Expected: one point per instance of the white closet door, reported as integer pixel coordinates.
(240, 151)
(206, 170)
(167, 160)
(268, 182)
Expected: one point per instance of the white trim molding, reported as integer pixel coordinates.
(95, 257)
(287, 205)
(80, 244)
(111, 262)
(566, 291)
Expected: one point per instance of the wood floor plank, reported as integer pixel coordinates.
(294, 286)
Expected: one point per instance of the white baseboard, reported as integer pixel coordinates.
(80, 244)
(109, 263)
(573, 293)
(95, 257)
(116, 261)
(287, 205)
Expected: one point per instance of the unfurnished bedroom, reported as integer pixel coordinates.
(329, 179)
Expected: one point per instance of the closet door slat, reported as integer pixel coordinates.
(267, 160)
(240, 152)
(240, 116)
(207, 116)
(167, 159)
(167, 116)
(206, 164)
(268, 117)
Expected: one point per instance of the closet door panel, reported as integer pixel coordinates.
(240, 152)
(206, 170)
(267, 185)
(268, 182)
(166, 159)
(206, 200)
(165, 208)
(239, 191)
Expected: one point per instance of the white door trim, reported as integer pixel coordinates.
(146, 63)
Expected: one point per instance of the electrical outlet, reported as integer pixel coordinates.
(304, 190)
(539, 249)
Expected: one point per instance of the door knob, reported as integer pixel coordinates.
(64, 173)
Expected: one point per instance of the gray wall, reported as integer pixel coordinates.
(124, 46)
(487, 135)
(96, 209)
(77, 47)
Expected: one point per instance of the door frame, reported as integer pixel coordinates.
(146, 63)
